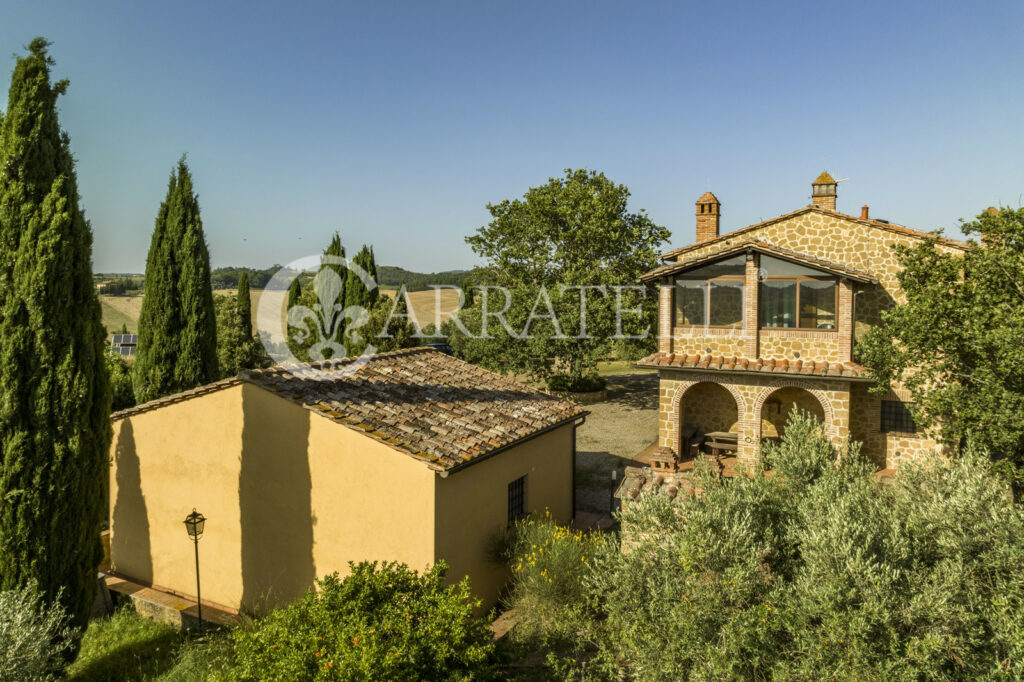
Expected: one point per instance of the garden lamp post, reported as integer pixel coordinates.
(194, 523)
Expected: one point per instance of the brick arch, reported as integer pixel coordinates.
(683, 386)
(819, 395)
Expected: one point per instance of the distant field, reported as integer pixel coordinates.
(424, 303)
(118, 310)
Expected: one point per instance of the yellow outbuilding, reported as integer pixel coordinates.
(411, 456)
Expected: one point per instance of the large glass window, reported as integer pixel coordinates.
(795, 296)
(818, 304)
(778, 303)
(711, 295)
(726, 303)
(690, 296)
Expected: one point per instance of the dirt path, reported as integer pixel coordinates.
(616, 430)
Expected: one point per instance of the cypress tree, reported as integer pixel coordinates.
(244, 305)
(54, 388)
(355, 288)
(336, 249)
(177, 347)
(294, 291)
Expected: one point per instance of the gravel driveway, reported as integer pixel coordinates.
(616, 431)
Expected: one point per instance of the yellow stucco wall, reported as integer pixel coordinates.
(290, 496)
(164, 463)
(472, 505)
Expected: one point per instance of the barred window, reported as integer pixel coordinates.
(516, 499)
(896, 417)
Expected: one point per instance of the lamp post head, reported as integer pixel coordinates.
(194, 523)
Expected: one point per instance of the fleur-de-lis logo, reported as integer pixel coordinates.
(328, 317)
(326, 321)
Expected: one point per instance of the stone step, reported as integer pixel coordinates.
(166, 607)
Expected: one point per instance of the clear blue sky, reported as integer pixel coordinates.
(396, 123)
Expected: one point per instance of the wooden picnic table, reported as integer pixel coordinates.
(722, 441)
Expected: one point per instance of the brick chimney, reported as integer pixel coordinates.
(709, 213)
(823, 192)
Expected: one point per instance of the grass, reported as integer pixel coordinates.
(126, 646)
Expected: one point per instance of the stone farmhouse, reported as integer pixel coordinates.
(764, 319)
(413, 457)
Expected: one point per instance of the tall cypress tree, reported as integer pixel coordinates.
(294, 291)
(54, 389)
(244, 305)
(177, 347)
(356, 291)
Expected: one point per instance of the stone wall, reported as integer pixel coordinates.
(701, 341)
(779, 344)
(886, 450)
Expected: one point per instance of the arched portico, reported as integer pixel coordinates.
(779, 399)
(710, 404)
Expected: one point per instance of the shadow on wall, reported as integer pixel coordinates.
(129, 543)
(274, 490)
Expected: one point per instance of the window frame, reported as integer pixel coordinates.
(798, 279)
(517, 499)
(706, 287)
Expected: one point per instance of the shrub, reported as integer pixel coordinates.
(816, 571)
(585, 384)
(381, 622)
(548, 562)
(34, 638)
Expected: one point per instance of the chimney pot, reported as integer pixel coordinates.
(709, 215)
(864, 212)
(823, 191)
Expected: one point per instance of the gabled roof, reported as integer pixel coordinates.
(732, 248)
(891, 227)
(706, 197)
(441, 410)
(712, 363)
(824, 179)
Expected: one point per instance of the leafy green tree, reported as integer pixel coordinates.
(956, 341)
(382, 622)
(177, 347)
(575, 231)
(244, 303)
(54, 389)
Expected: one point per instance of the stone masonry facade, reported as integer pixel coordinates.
(863, 260)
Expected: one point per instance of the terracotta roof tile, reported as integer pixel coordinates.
(841, 370)
(439, 409)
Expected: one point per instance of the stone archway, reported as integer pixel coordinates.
(792, 394)
(720, 384)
